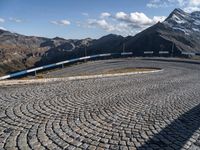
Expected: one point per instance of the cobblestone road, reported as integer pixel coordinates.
(147, 111)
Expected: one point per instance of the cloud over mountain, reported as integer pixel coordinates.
(124, 23)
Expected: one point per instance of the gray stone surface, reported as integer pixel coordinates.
(147, 111)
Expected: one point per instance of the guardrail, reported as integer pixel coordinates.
(148, 52)
(189, 53)
(126, 53)
(163, 52)
(34, 70)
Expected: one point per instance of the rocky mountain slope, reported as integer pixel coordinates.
(181, 29)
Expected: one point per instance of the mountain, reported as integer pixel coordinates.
(107, 44)
(187, 29)
(18, 52)
(180, 30)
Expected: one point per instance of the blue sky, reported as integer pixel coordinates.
(86, 18)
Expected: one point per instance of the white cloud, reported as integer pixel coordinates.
(117, 28)
(85, 14)
(2, 20)
(101, 23)
(187, 5)
(124, 23)
(15, 20)
(138, 19)
(121, 15)
(61, 22)
(181, 3)
(2, 28)
(191, 9)
(194, 3)
(160, 3)
(105, 14)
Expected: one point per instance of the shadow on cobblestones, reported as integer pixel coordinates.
(181, 133)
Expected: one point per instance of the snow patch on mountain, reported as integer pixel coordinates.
(197, 30)
(197, 22)
(177, 19)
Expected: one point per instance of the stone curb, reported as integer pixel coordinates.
(17, 82)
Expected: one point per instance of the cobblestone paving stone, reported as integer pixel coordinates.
(147, 111)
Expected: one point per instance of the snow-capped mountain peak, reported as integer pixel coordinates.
(188, 23)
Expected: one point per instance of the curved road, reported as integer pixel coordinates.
(145, 111)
